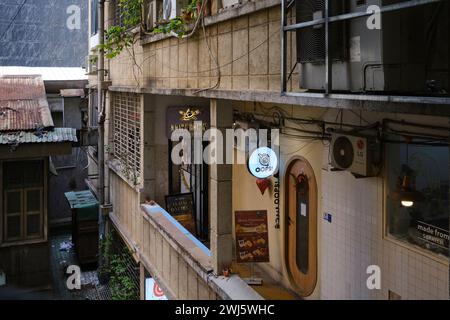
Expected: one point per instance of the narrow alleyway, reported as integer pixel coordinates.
(62, 255)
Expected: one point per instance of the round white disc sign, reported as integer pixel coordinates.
(263, 162)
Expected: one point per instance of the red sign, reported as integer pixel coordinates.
(252, 237)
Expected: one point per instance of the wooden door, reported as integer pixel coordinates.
(301, 220)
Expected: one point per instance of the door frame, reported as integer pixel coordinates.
(44, 220)
(305, 284)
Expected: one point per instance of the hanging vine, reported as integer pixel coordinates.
(118, 37)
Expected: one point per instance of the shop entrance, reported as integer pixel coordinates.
(192, 179)
(301, 225)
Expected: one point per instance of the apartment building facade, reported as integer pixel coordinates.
(331, 223)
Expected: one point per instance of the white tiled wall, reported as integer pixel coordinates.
(353, 241)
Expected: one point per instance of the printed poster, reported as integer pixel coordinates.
(252, 237)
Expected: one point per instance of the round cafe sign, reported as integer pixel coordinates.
(263, 163)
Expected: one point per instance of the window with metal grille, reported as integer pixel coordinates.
(127, 133)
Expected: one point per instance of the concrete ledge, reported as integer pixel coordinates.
(223, 15)
(393, 104)
(114, 166)
(197, 255)
(233, 288)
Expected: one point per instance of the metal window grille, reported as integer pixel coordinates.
(127, 132)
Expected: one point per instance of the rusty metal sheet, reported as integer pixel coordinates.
(23, 103)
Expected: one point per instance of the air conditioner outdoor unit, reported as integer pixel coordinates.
(152, 13)
(91, 64)
(355, 153)
(172, 8)
(407, 54)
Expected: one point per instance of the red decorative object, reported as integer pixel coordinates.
(301, 178)
(262, 184)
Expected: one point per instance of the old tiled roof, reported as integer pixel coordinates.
(23, 104)
(57, 135)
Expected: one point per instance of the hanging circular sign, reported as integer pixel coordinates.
(263, 163)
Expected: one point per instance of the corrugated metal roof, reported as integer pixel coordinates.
(57, 135)
(23, 103)
(20, 87)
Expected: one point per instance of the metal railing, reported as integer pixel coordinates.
(326, 21)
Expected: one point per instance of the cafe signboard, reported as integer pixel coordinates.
(252, 238)
(186, 117)
(181, 207)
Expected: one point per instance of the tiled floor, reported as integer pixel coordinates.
(269, 289)
(60, 260)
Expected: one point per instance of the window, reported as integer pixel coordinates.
(23, 200)
(94, 17)
(418, 196)
(127, 133)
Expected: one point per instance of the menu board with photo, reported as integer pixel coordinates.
(252, 237)
(181, 207)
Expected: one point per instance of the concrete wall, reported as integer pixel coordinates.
(154, 248)
(247, 49)
(356, 238)
(39, 37)
(26, 265)
(72, 169)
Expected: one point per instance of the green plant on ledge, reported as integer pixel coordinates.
(176, 25)
(119, 37)
(179, 24)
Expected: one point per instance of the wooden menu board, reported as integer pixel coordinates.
(252, 237)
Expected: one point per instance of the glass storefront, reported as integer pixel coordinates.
(418, 196)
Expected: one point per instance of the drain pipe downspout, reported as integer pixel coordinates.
(101, 116)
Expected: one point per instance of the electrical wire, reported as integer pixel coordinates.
(211, 55)
(160, 62)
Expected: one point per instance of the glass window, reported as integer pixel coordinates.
(418, 196)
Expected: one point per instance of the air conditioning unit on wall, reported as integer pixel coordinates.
(355, 153)
(407, 55)
(172, 8)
